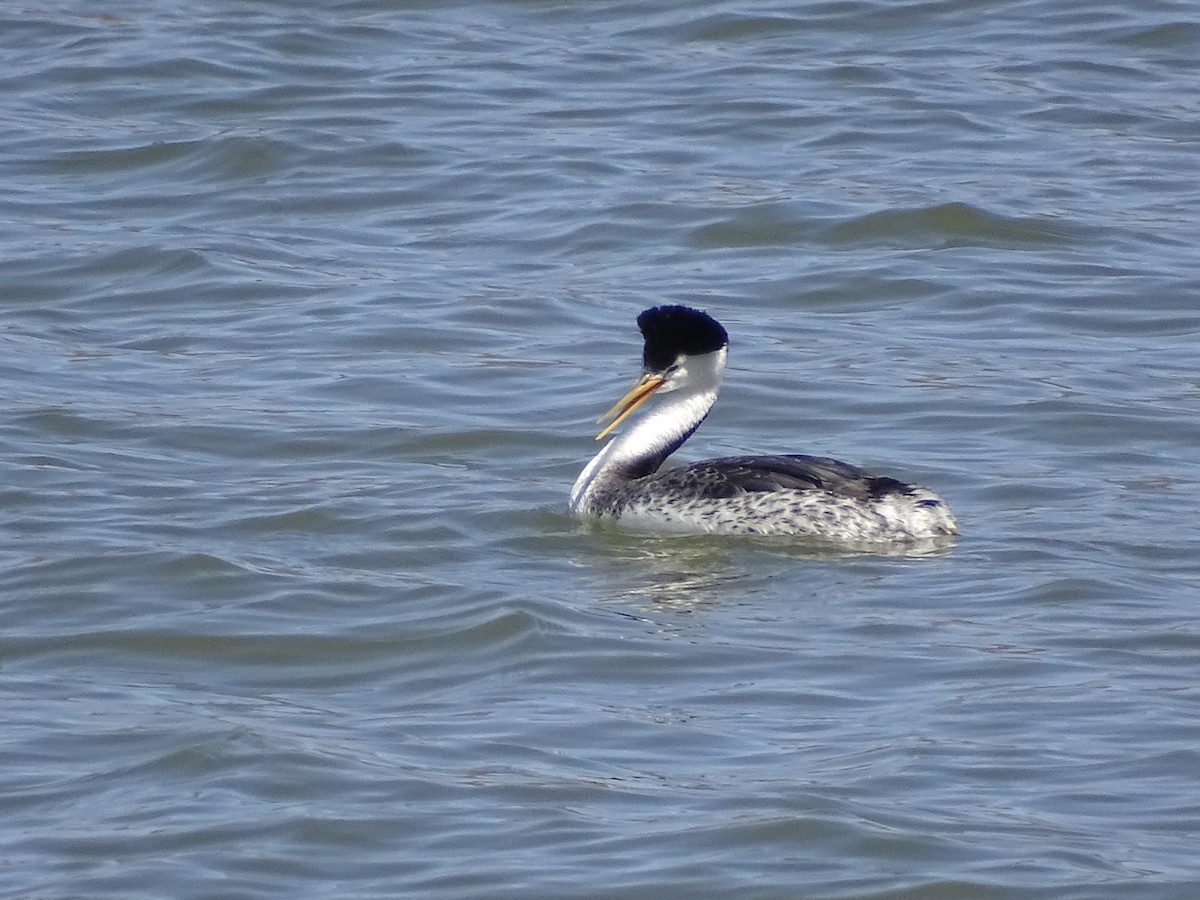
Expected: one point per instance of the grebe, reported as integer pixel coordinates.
(684, 360)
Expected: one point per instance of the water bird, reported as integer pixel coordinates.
(813, 496)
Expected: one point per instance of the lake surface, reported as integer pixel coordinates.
(306, 315)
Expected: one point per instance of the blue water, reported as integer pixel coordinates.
(305, 319)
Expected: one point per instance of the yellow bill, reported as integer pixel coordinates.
(623, 408)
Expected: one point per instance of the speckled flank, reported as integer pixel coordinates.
(909, 514)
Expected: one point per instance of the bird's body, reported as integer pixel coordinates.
(809, 496)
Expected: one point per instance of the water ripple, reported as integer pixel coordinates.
(306, 318)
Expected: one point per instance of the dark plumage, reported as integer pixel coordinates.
(719, 479)
(674, 330)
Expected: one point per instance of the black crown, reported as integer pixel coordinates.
(671, 331)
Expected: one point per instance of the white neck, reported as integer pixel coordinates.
(690, 393)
